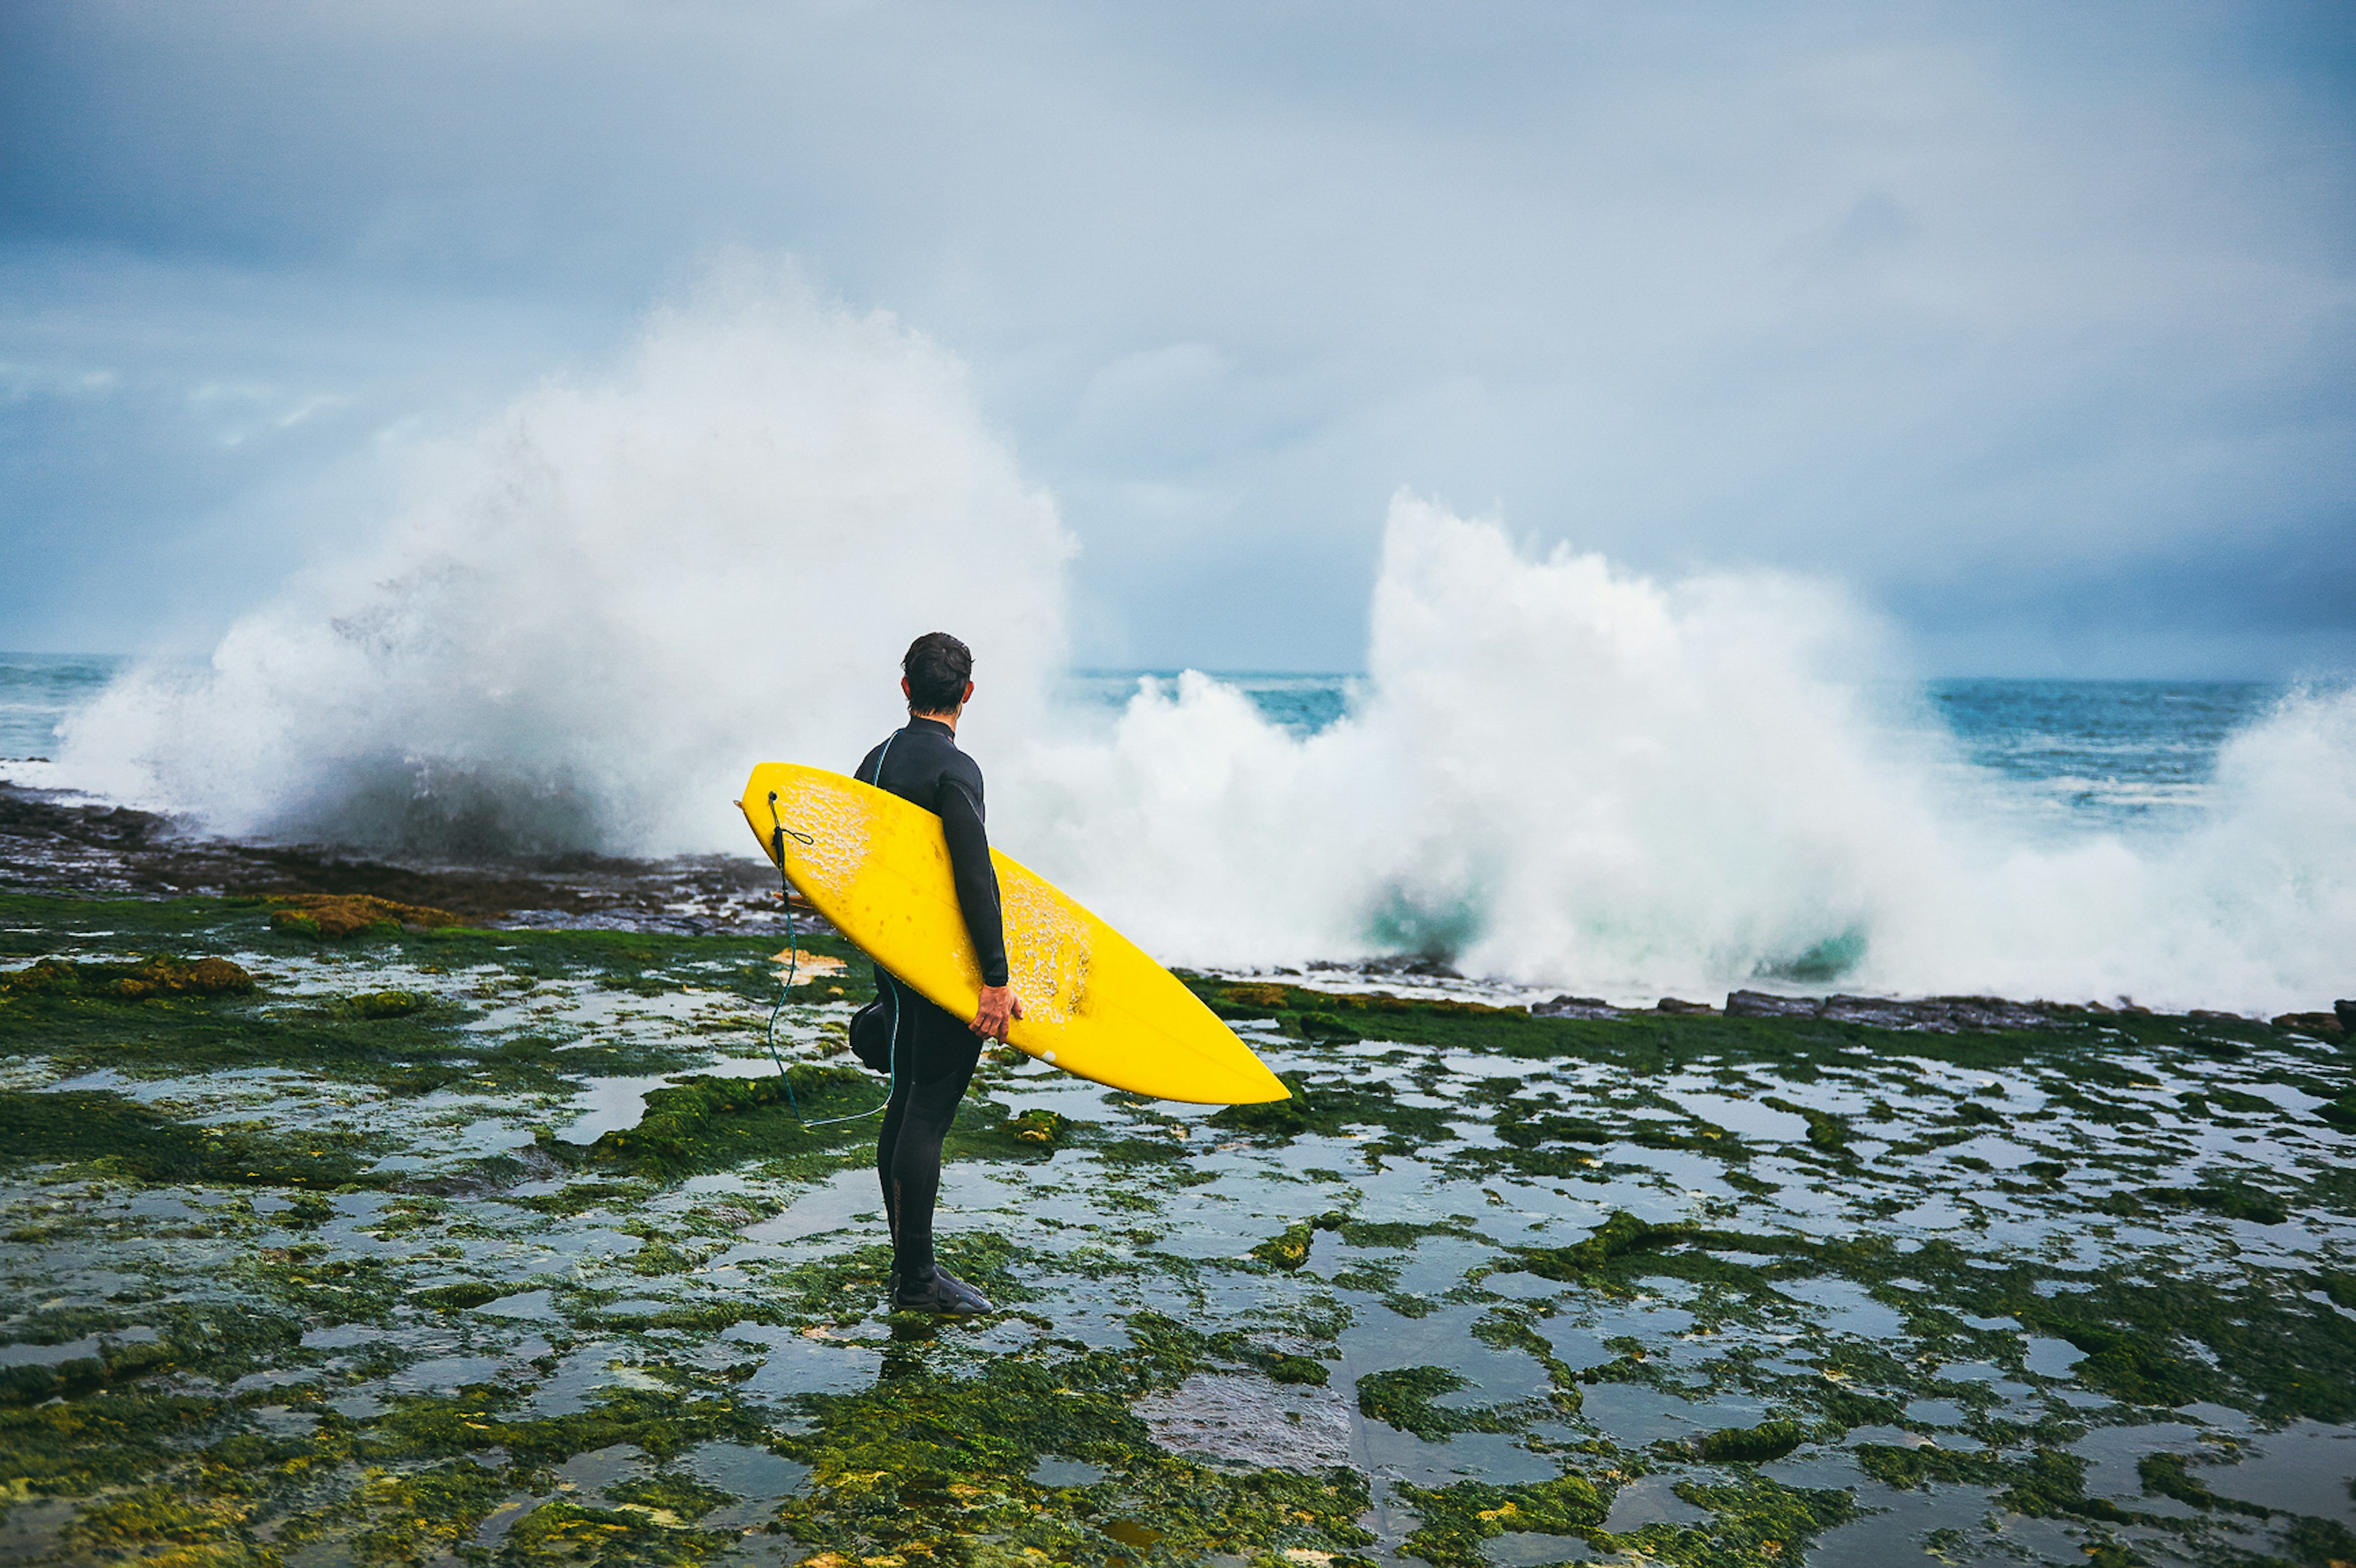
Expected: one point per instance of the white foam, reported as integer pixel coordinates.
(1566, 775)
(596, 616)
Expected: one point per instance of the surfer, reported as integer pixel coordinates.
(934, 1052)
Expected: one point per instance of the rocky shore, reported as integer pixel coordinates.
(344, 1226)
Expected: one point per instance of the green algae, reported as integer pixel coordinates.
(111, 1134)
(926, 1463)
(569, 1532)
(1574, 1129)
(1618, 1238)
(1754, 1519)
(716, 1124)
(1404, 1398)
(1456, 1518)
(1753, 1445)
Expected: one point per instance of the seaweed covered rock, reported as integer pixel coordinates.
(1455, 1520)
(1754, 1445)
(1620, 1235)
(157, 976)
(331, 916)
(1037, 1126)
(1289, 1248)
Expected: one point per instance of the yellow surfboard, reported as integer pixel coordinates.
(1093, 1003)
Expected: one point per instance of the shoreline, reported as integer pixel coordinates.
(52, 841)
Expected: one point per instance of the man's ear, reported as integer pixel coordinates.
(903, 687)
(966, 695)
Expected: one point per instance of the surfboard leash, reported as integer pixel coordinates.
(779, 832)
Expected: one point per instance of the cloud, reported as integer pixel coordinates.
(1978, 310)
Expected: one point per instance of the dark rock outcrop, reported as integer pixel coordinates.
(1568, 1006)
(1935, 1014)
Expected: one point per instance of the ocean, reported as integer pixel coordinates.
(39, 691)
(2116, 756)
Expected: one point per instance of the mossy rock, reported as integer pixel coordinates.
(1037, 1127)
(1404, 1397)
(1754, 1445)
(157, 976)
(333, 916)
(1617, 1237)
(457, 1297)
(1455, 1520)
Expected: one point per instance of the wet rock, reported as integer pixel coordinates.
(1249, 1421)
(2310, 1023)
(1672, 1005)
(2345, 1010)
(1759, 1005)
(53, 841)
(1429, 968)
(1935, 1014)
(1569, 1007)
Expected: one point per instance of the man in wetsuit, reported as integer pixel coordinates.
(934, 1052)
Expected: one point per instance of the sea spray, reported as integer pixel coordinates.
(1566, 775)
(1554, 772)
(590, 620)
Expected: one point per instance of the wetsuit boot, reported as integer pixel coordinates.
(971, 1299)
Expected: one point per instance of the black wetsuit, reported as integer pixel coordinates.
(934, 1052)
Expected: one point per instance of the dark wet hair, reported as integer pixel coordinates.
(937, 666)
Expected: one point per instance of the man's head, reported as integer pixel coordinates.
(937, 673)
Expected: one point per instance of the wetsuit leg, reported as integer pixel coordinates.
(934, 1057)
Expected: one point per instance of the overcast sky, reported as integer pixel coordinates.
(2035, 325)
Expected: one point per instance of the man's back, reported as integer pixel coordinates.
(921, 764)
(919, 761)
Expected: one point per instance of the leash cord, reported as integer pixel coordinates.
(778, 835)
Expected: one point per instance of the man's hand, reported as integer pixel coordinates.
(999, 1010)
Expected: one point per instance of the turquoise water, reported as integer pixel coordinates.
(1303, 704)
(2115, 753)
(37, 690)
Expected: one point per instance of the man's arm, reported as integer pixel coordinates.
(977, 891)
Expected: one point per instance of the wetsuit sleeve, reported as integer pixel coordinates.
(977, 883)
